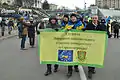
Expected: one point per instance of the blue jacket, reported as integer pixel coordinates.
(63, 24)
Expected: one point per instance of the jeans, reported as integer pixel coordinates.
(23, 41)
(19, 34)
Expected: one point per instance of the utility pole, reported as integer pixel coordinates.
(84, 5)
(118, 4)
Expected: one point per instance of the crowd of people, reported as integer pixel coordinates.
(30, 28)
(8, 23)
(73, 22)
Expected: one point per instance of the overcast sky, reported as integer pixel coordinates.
(72, 3)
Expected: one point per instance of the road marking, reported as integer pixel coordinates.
(82, 73)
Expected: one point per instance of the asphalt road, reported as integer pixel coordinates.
(24, 65)
(111, 70)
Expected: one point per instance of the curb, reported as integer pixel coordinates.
(7, 37)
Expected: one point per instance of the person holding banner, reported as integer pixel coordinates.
(109, 29)
(74, 23)
(103, 26)
(65, 21)
(52, 24)
(94, 26)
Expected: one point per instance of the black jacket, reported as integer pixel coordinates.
(91, 26)
(31, 30)
(53, 26)
(116, 26)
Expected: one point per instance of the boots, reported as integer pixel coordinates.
(48, 72)
(55, 68)
(91, 72)
(76, 68)
(69, 74)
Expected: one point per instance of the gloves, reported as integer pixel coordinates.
(56, 29)
(38, 32)
(69, 29)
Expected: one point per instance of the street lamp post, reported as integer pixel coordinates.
(84, 4)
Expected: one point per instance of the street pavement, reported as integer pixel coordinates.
(24, 65)
(14, 32)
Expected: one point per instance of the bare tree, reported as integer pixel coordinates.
(27, 3)
(45, 5)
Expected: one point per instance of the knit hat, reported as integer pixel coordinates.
(52, 17)
(73, 15)
(66, 15)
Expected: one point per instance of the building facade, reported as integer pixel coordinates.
(9, 2)
(37, 4)
(108, 4)
(53, 7)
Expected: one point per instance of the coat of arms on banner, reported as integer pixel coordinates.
(81, 55)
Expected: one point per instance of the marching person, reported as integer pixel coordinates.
(109, 29)
(116, 30)
(52, 24)
(19, 25)
(23, 28)
(65, 21)
(95, 26)
(10, 25)
(103, 26)
(74, 23)
(3, 24)
(31, 32)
